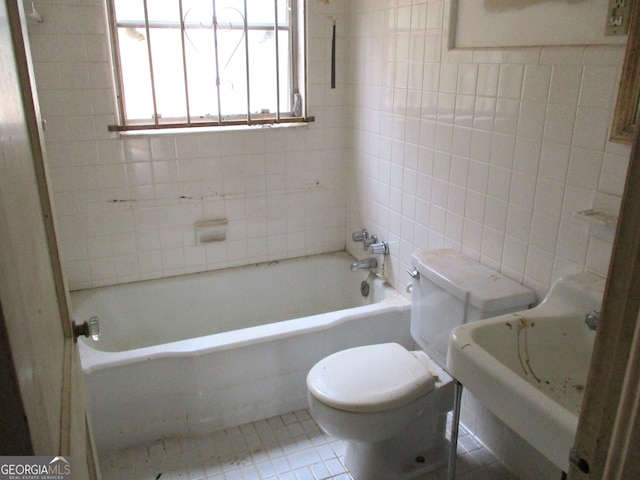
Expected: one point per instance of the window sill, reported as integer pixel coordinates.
(208, 129)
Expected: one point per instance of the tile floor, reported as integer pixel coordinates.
(286, 447)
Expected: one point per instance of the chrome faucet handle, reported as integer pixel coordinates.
(381, 248)
(413, 272)
(360, 236)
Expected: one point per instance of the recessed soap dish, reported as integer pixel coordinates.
(601, 225)
(208, 231)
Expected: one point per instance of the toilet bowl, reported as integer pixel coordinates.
(390, 404)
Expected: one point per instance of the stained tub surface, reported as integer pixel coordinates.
(193, 354)
(154, 312)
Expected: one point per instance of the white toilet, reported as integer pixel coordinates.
(390, 404)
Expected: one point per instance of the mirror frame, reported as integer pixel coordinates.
(627, 104)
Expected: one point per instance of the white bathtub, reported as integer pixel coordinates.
(192, 354)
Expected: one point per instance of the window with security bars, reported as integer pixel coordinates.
(182, 63)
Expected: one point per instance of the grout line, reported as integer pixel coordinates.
(285, 447)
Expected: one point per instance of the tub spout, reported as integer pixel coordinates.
(365, 263)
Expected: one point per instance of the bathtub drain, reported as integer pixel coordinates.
(364, 288)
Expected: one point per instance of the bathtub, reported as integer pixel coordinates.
(197, 353)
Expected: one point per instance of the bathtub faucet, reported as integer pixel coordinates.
(364, 237)
(365, 263)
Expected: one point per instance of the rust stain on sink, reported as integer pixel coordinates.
(523, 325)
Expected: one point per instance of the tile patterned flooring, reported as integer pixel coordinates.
(286, 447)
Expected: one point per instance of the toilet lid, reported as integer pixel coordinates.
(374, 378)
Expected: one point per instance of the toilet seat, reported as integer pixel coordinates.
(374, 378)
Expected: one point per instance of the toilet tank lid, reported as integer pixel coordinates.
(467, 279)
(373, 378)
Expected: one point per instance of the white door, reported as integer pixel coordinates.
(33, 294)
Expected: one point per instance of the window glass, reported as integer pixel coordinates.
(197, 67)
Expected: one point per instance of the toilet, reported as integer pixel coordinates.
(390, 404)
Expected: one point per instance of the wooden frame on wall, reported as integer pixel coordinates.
(529, 23)
(626, 113)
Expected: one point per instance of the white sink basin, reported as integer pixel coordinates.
(530, 368)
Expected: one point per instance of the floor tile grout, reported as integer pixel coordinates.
(285, 447)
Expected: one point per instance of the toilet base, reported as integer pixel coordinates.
(373, 461)
(419, 449)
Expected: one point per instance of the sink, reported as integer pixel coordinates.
(530, 368)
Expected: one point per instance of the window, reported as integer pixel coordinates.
(182, 63)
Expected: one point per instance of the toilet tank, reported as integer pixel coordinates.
(453, 289)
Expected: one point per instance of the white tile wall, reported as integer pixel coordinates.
(507, 446)
(510, 143)
(126, 207)
(499, 146)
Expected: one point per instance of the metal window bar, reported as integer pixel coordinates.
(246, 59)
(195, 25)
(183, 25)
(184, 63)
(153, 82)
(293, 47)
(276, 32)
(215, 41)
